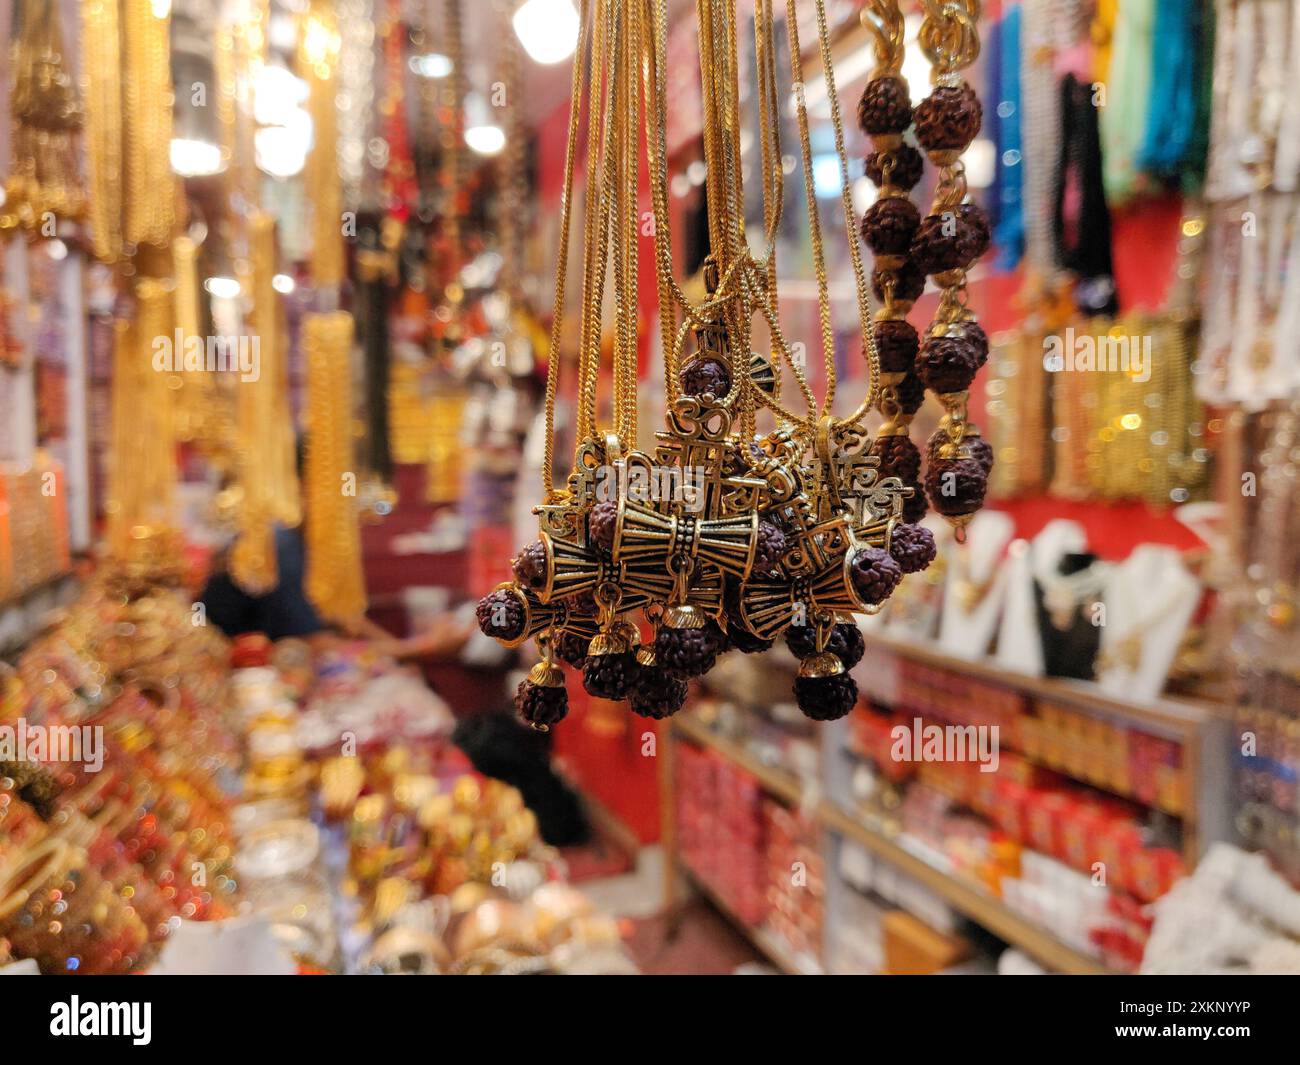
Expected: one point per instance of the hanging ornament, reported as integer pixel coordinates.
(726, 535)
(45, 179)
(541, 698)
(947, 242)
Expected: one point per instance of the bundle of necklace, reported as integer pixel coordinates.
(723, 536)
(45, 178)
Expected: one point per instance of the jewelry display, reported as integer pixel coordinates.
(1141, 637)
(796, 526)
(334, 579)
(266, 448)
(45, 176)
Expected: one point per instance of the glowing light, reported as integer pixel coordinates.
(222, 288)
(195, 158)
(486, 140)
(283, 284)
(548, 29)
(433, 65)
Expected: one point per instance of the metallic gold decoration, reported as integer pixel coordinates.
(150, 200)
(142, 458)
(318, 60)
(266, 464)
(102, 69)
(695, 509)
(45, 179)
(334, 578)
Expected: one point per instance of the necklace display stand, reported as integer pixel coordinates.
(1020, 646)
(976, 586)
(1150, 598)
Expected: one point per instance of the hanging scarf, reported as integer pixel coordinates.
(1081, 219)
(1171, 131)
(1128, 92)
(1008, 217)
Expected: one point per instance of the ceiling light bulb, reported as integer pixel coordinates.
(195, 158)
(548, 29)
(223, 288)
(486, 140)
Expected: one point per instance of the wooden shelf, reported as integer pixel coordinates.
(779, 782)
(762, 940)
(1175, 717)
(984, 909)
(963, 895)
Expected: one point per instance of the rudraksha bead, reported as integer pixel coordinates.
(908, 279)
(896, 344)
(530, 566)
(948, 119)
(875, 574)
(706, 376)
(912, 547)
(541, 706)
(501, 615)
(885, 106)
(905, 166)
(899, 457)
(947, 364)
(601, 523)
(845, 642)
(890, 224)
(826, 698)
(956, 486)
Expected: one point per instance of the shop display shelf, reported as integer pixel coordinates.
(963, 895)
(760, 938)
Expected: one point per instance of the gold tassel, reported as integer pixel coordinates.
(150, 191)
(266, 463)
(47, 120)
(334, 581)
(318, 58)
(197, 411)
(142, 463)
(102, 69)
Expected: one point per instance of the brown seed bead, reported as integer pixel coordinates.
(899, 457)
(889, 225)
(909, 282)
(540, 706)
(602, 523)
(956, 486)
(826, 698)
(915, 505)
(875, 575)
(942, 243)
(975, 229)
(657, 694)
(885, 107)
(901, 167)
(975, 447)
(912, 547)
(530, 566)
(896, 344)
(947, 364)
(706, 377)
(910, 393)
(948, 119)
(770, 547)
(500, 615)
